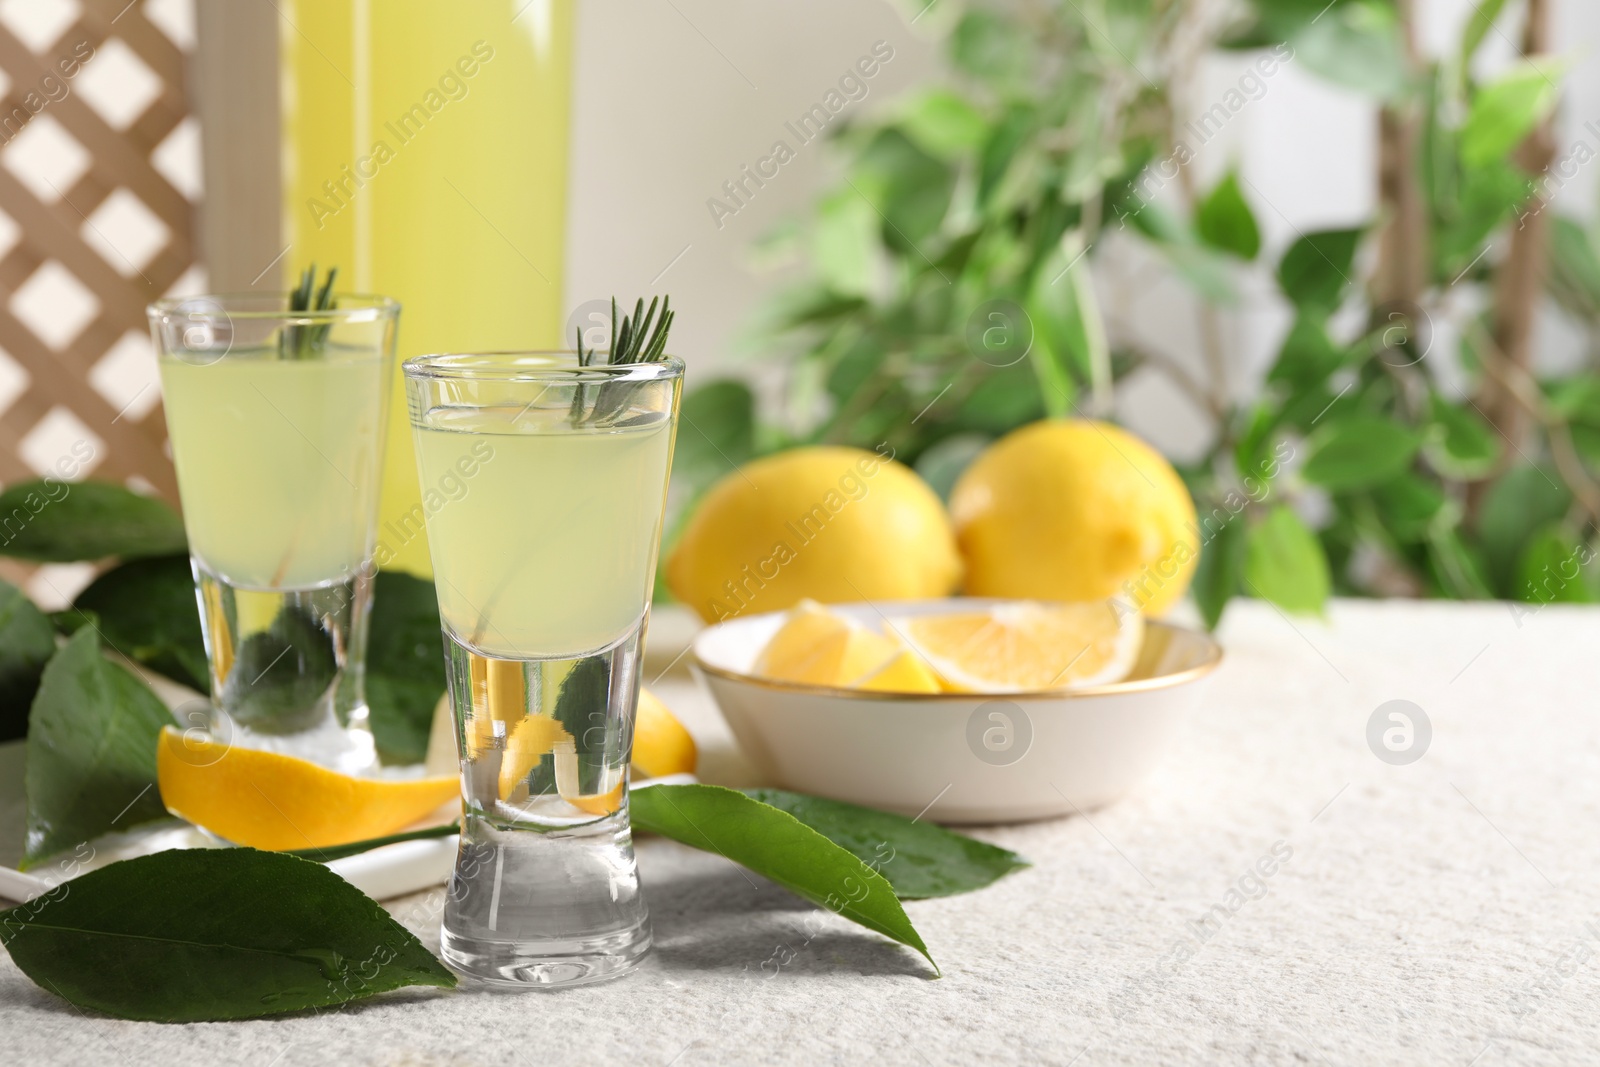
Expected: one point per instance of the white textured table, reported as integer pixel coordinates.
(1444, 912)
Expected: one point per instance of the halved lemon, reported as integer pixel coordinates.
(271, 801)
(817, 647)
(1025, 646)
(661, 744)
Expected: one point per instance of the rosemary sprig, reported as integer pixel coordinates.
(305, 342)
(632, 341)
(627, 340)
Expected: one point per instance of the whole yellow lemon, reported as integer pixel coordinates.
(831, 524)
(1075, 510)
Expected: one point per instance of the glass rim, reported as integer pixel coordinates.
(534, 365)
(270, 306)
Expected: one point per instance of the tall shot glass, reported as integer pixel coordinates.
(277, 424)
(544, 570)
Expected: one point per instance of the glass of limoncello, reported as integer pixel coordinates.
(276, 419)
(544, 569)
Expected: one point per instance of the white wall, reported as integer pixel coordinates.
(673, 96)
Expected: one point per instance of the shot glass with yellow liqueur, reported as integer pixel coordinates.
(276, 408)
(544, 570)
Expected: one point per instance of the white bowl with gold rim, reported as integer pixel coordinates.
(956, 757)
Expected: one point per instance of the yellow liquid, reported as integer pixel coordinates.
(278, 464)
(550, 548)
(464, 223)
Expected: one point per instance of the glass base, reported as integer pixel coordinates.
(519, 965)
(545, 890)
(560, 908)
(288, 668)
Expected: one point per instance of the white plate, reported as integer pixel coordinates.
(390, 871)
(381, 873)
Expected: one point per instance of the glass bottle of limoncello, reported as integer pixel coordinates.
(426, 152)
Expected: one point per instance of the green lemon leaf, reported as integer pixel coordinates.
(1069, 337)
(1486, 196)
(1574, 269)
(1586, 439)
(1219, 574)
(1308, 355)
(1002, 148)
(844, 240)
(716, 431)
(1455, 568)
(1479, 23)
(855, 367)
(280, 673)
(194, 935)
(1409, 505)
(1360, 451)
(1461, 444)
(64, 522)
(582, 691)
(1504, 111)
(1225, 222)
(1517, 505)
(1356, 44)
(1003, 399)
(1554, 569)
(1250, 454)
(919, 859)
(1307, 406)
(807, 305)
(1273, 21)
(27, 641)
(778, 846)
(405, 665)
(91, 765)
(1315, 270)
(958, 251)
(989, 45)
(911, 189)
(945, 123)
(1577, 399)
(1285, 563)
(146, 610)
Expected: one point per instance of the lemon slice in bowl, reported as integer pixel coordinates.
(817, 647)
(1026, 647)
(904, 672)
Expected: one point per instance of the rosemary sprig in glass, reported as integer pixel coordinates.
(632, 341)
(305, 342)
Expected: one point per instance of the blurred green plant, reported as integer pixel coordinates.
(950, 295)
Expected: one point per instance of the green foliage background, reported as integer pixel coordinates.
(948, 299)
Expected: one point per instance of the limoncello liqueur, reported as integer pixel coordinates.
(278, 463)
(551, 550)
